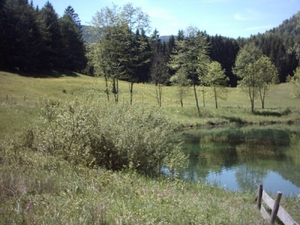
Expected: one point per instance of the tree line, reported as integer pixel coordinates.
(34, 39)
(192, 58)
(37, 39)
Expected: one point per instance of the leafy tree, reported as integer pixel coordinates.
(159, 69)
(113, 48)
(190, 58)
(244, 68)
(182, 83)
(127, 54)
(295, 81)
(267, 74)
(135, 18)
(216, 79)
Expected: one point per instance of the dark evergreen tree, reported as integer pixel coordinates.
(171, 43)
(2, 34)
(137, 58)
(73, 45)
(53, 47)
(180, 36)
(74, 16)
(21, 37)
(224, 50)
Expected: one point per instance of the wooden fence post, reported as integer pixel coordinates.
(275, 207)
(277, 210)
(260, 191)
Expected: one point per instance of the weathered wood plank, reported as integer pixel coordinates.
(267, 199)
(285, 217)
(277, 210)
(264, 213)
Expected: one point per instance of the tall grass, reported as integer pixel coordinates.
(40, 184)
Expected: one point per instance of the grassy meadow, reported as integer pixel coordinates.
(39, 188)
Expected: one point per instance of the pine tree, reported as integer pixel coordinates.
(21, 36)
(74, 16)
(52, 53)
(73, 45)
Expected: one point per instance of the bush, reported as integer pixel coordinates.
(112, 136)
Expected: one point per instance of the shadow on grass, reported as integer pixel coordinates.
(48, 73)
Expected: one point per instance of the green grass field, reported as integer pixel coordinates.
(20, 96)
(37, 188)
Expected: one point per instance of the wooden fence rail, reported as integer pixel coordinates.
(277, 210)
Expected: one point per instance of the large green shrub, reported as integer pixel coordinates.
(114, 136)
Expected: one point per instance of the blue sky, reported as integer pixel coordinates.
(230, 18)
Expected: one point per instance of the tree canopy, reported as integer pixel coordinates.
(35, 39)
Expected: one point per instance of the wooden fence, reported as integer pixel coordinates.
(276, 209)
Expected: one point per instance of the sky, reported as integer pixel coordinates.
(229, 18)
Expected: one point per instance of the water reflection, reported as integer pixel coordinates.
(240, 158)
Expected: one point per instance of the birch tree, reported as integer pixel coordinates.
(244, 69)
(295, 81)
(217, 79)
(267, 74)
(121, 50)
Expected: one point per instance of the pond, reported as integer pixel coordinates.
(240, 158)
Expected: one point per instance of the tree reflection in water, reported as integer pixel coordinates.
(249, 152)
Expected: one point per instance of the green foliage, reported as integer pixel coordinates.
(33, 39)
(119, 53)
(114, 137)
(244, 68)
(39, 188)
(216, 79)
(224, 50)
(189, 58)
(267, 75)
(295, 80)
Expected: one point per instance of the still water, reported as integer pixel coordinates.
(240, 158)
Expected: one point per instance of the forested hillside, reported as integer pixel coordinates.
(34, 39)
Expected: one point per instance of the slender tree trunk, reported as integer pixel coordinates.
(203, 96)
(181, 94)
(252, 96)
(115, 88)
(216, 97)
(262, 97)
(106, 87)
(158, 94)
(131, 91)
(117, 96)
(196, 99)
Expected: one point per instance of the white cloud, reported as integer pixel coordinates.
(247, 15)
(155, 12)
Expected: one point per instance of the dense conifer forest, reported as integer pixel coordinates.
(35, 39)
